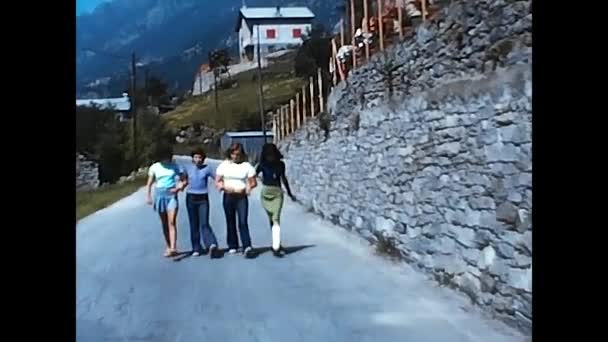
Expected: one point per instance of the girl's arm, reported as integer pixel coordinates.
(251, 180)
(219, 182)
(219, 177)
(286, 183)
(149, 188)
(183, 182)
(183, 178)
(251, 184)
(211, 173)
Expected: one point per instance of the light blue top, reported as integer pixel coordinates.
(198, 178)
(166, 175)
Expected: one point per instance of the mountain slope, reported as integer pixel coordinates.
(172, 37)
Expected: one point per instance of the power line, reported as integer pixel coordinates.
(133, 98)
(109, 54)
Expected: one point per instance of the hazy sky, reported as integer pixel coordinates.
(87, 5)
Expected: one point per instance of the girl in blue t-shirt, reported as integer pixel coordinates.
(197, 179)
(167, 177)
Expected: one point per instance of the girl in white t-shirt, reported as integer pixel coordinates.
(236, 177)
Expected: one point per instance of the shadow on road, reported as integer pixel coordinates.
(183, 255)
(288, 250)
(256, 252)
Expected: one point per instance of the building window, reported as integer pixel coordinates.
(297, 33)
(271, 34)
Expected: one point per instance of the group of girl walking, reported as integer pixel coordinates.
(236, 178)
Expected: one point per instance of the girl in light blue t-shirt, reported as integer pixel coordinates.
(168, 179)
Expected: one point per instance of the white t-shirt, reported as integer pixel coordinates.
(235, 175)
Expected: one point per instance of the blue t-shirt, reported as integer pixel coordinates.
(166, 175)
(198, 178)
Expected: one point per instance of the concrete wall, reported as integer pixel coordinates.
(207, 78)
(428, 148)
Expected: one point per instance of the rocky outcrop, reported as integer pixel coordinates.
(141, 172)
(87, 173)
(198, 134)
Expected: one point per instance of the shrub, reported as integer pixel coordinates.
(100, 134)
(313, 53)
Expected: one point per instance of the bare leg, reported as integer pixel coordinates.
(165, 223)
(172, 218)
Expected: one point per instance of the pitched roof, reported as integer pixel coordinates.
(272, 13)
(118, 103)
(248, 134)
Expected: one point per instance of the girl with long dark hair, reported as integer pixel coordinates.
(272, 168)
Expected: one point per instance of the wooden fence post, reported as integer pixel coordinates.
(336, 60)
(366, 27)
(274, 129)
(380, 24)
(400, 17)
(297, 110)
(291, 116)
(283, 123)
(423, 10)
(332, 71)
(334, 77)
(312, 96)
(320, 79)
(303, 104)
(342, 33)
(286, 116)
(279, 122)
(353, 24)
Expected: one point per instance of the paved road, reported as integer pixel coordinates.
(331, 288)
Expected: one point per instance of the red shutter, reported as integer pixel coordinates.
(271, 34)
(297, 33)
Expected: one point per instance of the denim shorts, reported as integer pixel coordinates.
(164, 200)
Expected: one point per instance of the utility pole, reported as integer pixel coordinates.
(146, 80)
(217, 108)
(261, 90)
(134, 103)
(212, 68)
(200, 81)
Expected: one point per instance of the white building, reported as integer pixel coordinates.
(276, 27)
(121, 105)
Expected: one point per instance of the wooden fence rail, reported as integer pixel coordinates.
(291, 116)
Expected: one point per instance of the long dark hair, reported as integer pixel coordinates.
(236, 147)
(164, 153)
(270, 149)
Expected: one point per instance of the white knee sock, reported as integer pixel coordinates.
(276, 236)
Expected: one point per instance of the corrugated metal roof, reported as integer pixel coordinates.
(118, 103)
(248, 134)
(271, 12)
